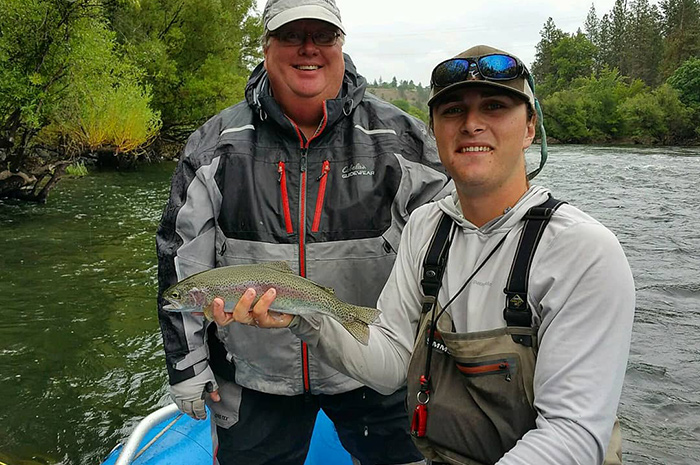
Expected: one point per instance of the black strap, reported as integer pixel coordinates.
(434, 262)
(517, 311)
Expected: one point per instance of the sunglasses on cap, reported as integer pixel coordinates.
(494, 67)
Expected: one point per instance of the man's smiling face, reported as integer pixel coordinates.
(305, 73)
(481, 136)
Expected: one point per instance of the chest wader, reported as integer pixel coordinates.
(471, 394)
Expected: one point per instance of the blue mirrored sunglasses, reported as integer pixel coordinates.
(495, 67)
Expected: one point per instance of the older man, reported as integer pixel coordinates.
(310, 170)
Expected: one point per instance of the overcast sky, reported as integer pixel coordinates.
(407, 38)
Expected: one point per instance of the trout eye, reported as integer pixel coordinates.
(175, 294)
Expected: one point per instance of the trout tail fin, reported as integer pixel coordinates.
(367, 315)
(358, 324)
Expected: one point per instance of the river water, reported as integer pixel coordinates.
(80, 354)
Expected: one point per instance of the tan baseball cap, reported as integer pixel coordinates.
(518, 86)
(277, 13)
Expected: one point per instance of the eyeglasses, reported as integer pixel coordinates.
(322, 38)
(496, 67)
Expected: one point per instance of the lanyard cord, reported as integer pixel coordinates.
(433, 323)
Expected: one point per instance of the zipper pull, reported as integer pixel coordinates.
(324, 171)
(280, 170)
(303, 159)
(506, 366)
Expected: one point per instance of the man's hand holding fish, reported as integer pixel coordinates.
(248, 314)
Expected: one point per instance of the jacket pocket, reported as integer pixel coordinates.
(503, 366)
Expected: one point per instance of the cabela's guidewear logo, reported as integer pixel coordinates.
(358, 169)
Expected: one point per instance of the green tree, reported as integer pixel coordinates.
(573, 57)
(618, 37)
(657, 117)
(40, 43)
(402, 104)
(605, 53)
(110, 108)
(686, 80)
(592, 26)
(543, 67)
(589, 110)
(644, 42)
(197, 54)
(681, 30)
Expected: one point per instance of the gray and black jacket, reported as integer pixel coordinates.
(250, 188)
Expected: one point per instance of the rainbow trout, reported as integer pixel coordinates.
(295, 295)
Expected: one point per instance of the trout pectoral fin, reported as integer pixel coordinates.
(358, 329)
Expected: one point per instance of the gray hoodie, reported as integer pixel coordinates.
(582, 295)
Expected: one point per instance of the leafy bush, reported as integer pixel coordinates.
(589, 111)
(658, 117)
(686, 80)
(104, 104)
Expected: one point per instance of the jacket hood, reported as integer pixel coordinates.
(258, 95)
(535, 195)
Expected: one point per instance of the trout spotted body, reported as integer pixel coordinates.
(295, 295)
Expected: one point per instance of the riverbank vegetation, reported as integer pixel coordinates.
(108, 79)
(631, 76)
(117, 81)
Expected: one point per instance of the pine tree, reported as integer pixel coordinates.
(543, 68)
(644, 45)
(605, 54)
(592, 26)
(681, 30)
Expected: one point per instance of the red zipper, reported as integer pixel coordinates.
(321, 194)
(302, 229)
(285, 198)
(473, 369)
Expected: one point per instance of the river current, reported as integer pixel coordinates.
(80, 351)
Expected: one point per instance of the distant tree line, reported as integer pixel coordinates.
(410, 97)
(90, 77)
(631, 76)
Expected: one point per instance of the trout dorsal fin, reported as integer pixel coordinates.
(279, 266)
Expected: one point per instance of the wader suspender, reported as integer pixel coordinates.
(433, 268)
(517, 311)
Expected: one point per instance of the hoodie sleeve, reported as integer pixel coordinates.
(586, 301)
(185, 244)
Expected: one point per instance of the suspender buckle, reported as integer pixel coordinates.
(517, 311)
(539, 213)
(428, 303)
